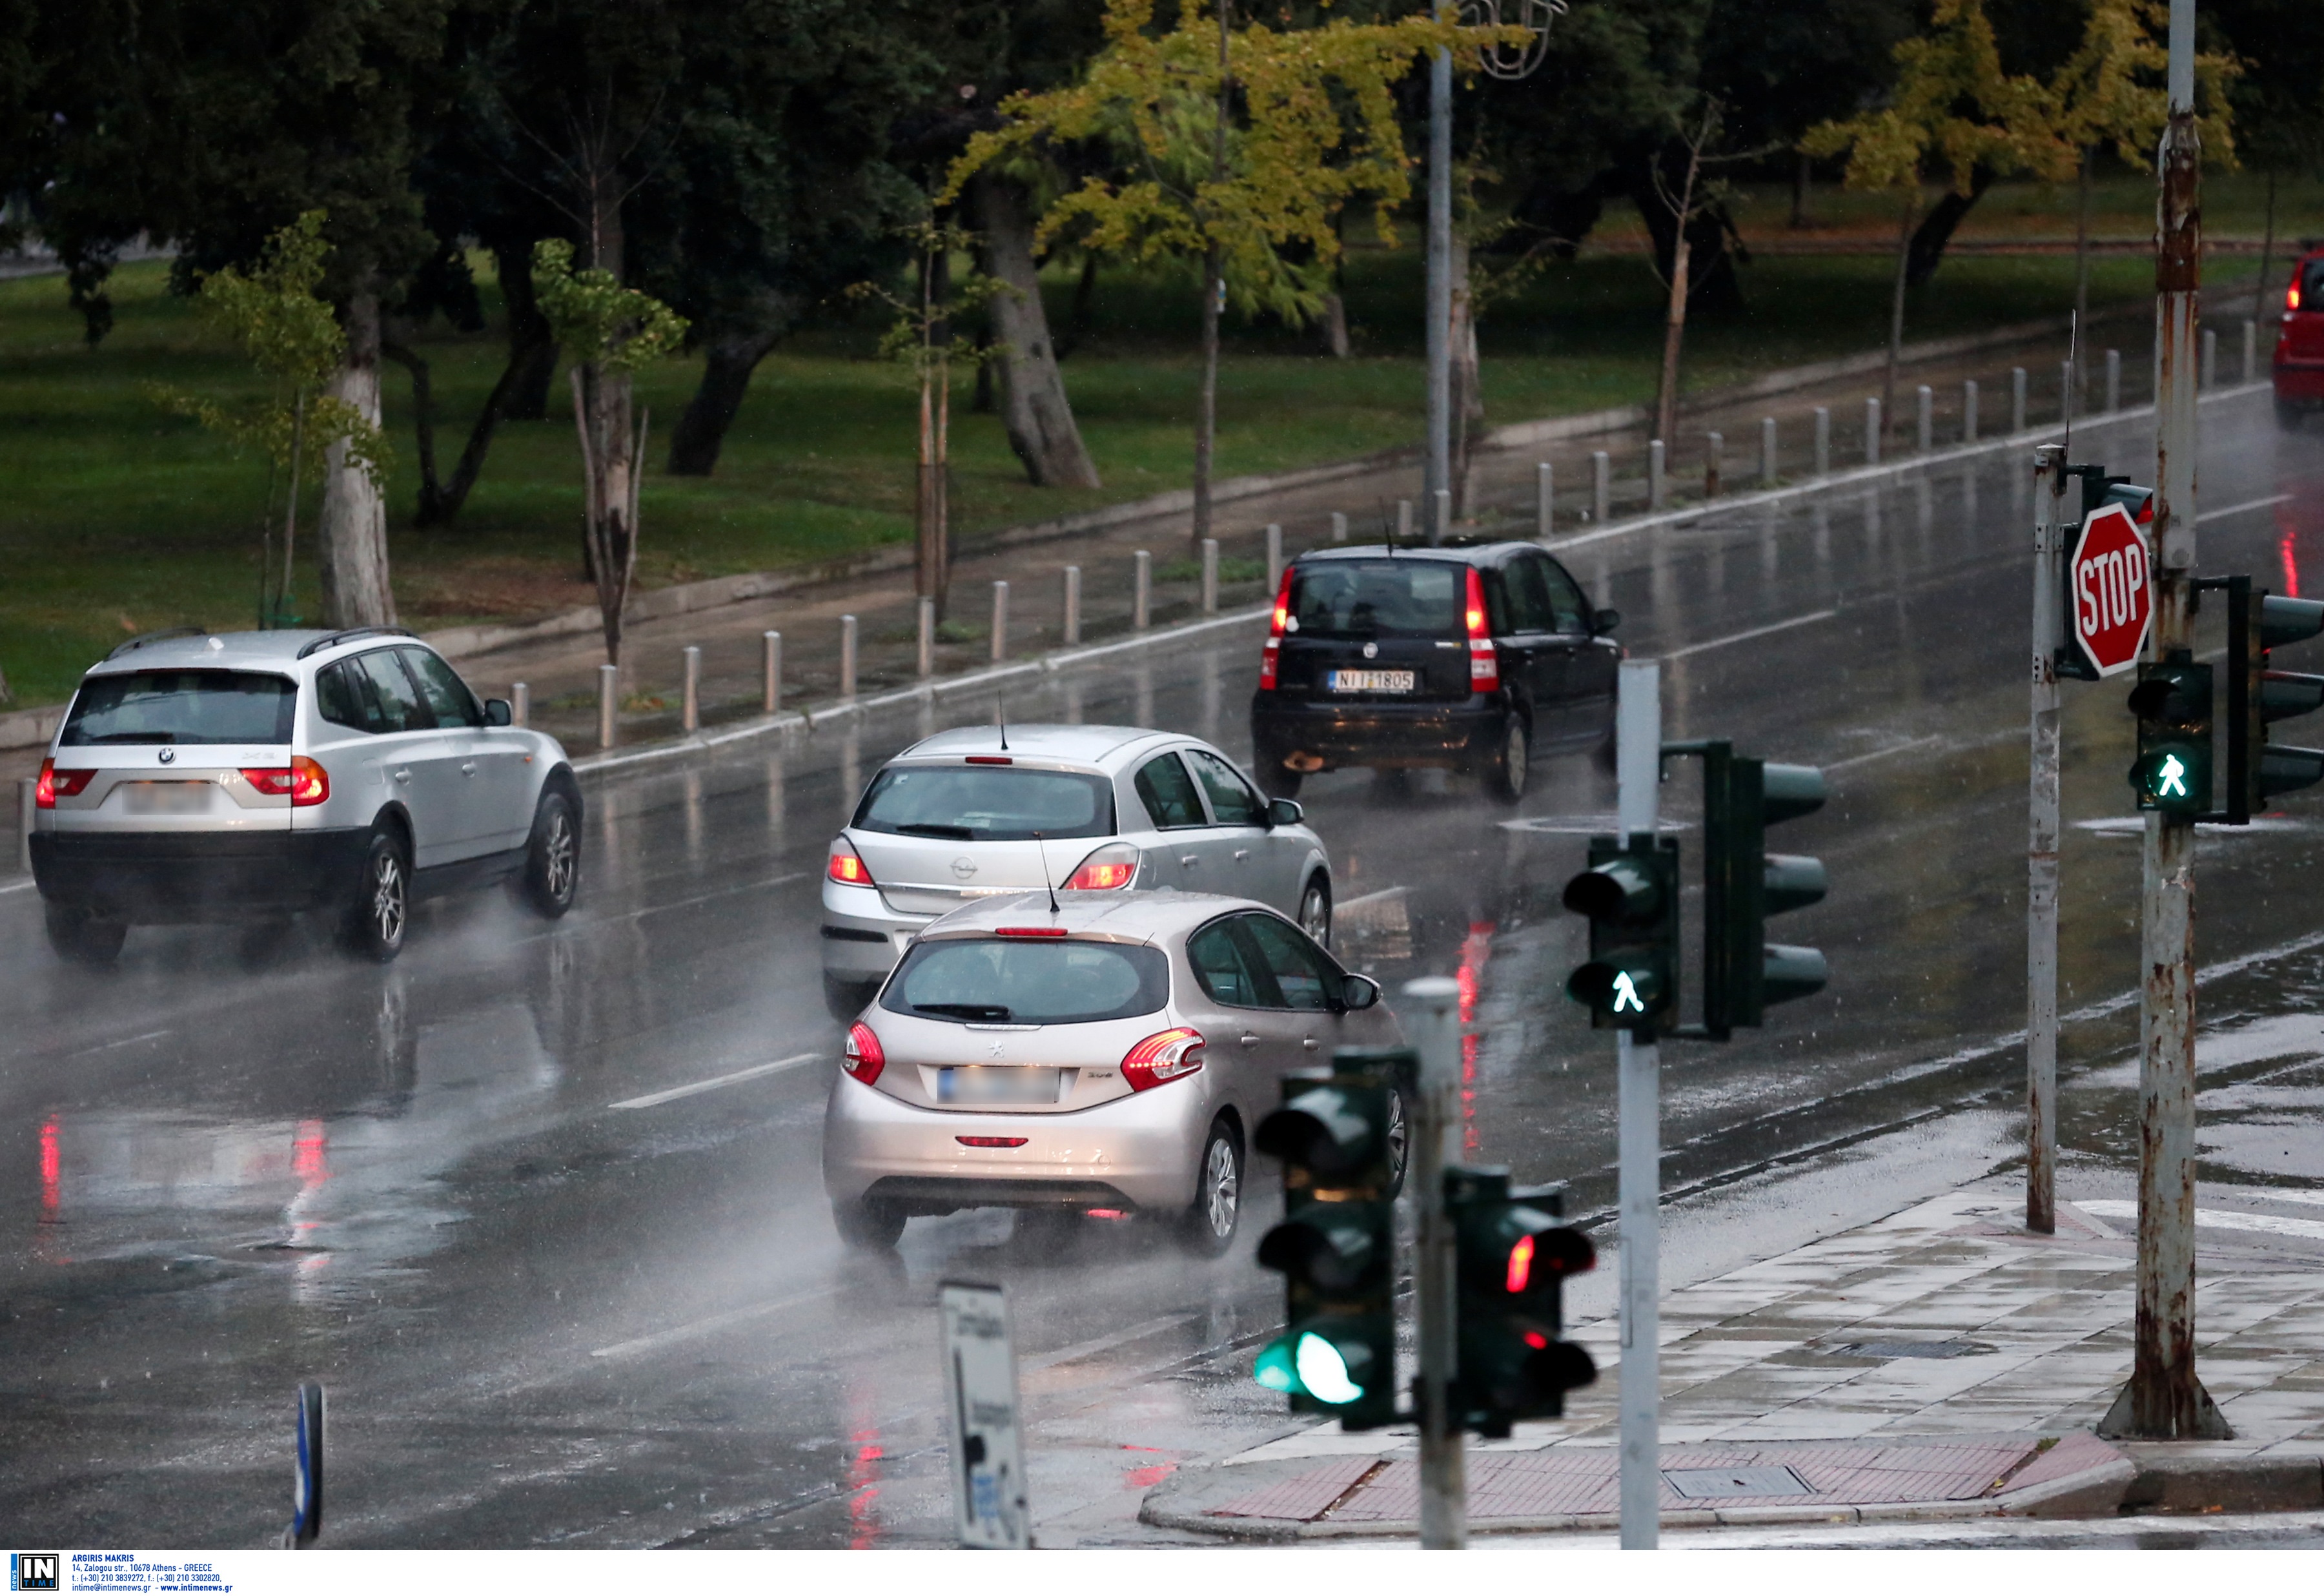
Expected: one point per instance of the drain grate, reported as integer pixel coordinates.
(1695, 1484)
(1906, 1349)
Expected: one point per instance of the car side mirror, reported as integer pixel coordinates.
(498, 712)
(1604, 622)
(1285, 812)
(1359, 991)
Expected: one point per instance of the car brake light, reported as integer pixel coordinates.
(991, 1141)
(55, 784)
(989, 759)
(1030, 931)
(845, 867)
(303, 781)
(1166, 1055)
(863, 1059)
(1484, 662)
(1111, 868)
(2292, 297)
(1273, 649)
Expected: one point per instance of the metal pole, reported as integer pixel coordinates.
(1924, 424)
(771, 670)
(1273, 557)
(2164, 1399)
(1637, 760)
(1072, 629)
(2210, 358)
(1000, 622)
(1714, 452)
(1769, 464)
(2067, 408)
(1439, 474)
(1823, 440)
(1545, 499)
(520, 704)
(1403, 523)
(1209, 576)
(1601, 485)
(1968, 411)
(1872, 432)
(1142, 592)
(27, 811)
(2049, 481)
(1432, 1020)
(1655, 454)
(609, 703)
(847, 656)
(1440, 516)
(2016, 398)
(2251, 348)
(2113, 381)
(927, 638)
(1339, 526)
(690, 713)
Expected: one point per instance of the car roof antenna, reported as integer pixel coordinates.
(1001, 708)
(1387, 528)
(1045, 880)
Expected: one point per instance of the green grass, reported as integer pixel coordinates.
(115, 517)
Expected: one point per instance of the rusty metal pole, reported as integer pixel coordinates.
(2164, 1400)
(2050, 481)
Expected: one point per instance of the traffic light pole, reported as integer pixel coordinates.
(2050, 481)
(1637, 764)
(1432, 1020)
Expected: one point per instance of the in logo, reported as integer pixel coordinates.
(33, 1571)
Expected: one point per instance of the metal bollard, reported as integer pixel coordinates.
(2113, 381)
(770, 671)
(1601, 485)
(1545, 499)
(1209, 576)
(847, 656)
(1072, 629)
(1968, 411)
(2210, 358)
(1339, 526)
(1403, 521)
(1142, 592)
(1925, 419)
(520, 704)
(927, 617)
(609, 703)
(1714, 457)
(27, 811)
(1654, 457)
(1872, 432)
(689, 703)
(1823, 440)
(1000, 622)
(2016, 398)
(1273, 557)
(1768, 471)
(2067, 408)
(2251, 350)
(1440, 517)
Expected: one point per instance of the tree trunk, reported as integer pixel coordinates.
(1206, 405)
(353, 537)
(1936, 230)
(1712, 287)
(2081, 246)
(1335, 326)
(1800, 174)
(1034, 407)
(532, 349)
(440, 500)
(1896, 308)
(726, 367)
(609, 451)
(2267, 249)
(1673, 339)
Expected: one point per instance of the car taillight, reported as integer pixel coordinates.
(55, 784)
(863, 1058)
(993, 1141)
(846, 867)
(1166, 1055)
(2292, 297)
(303, 781)
(1484, 662)
(1111, 867)
(1272, 651)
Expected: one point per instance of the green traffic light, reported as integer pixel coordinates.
(1624, 992)
(2173, 779)
(1317, 1365)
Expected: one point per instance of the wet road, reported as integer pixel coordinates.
(559, 1300)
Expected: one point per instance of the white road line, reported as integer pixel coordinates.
(717, 1322)
(17, 887)
(2226, 510)
(1882, 753)
(712, 1084)
(1382, 896)
(1106, 1343)
(2216, 1219)
(123, 1042)
(1745, 637)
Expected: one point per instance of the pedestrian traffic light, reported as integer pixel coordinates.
(1513, 1257)
(1630, 895)
(2173, 702)
(1336, 1244)
(1743, 884)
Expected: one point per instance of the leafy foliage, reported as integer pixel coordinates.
(601, 321)
(2112, 91)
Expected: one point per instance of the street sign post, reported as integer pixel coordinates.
(988, 1458)
(2110, 591)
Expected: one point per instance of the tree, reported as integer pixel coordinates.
(1235, 147)
(2278, 113)
(609, 330)
(1698, 192)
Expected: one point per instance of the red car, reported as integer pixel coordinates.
(2300, 346)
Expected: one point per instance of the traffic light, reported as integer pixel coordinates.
(1630, 895)
(1335, 1246)
(2277, 695)
(1743, 884)
(1513, 1257)
(2173, 702)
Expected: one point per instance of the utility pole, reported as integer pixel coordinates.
(1637, 764)
(1439, 475)
(2164, 1400)
(2050, 481)
(1433, 1019)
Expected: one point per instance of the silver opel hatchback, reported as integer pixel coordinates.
(981, 811)
(1108, 1055)
(249, 775)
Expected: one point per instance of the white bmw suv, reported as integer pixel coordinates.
(249, 775)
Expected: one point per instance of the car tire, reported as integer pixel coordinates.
(381, 913)
(81, 937)
(2288, 417)
(552, 857)
(1209, 1225)
(843, 1000)
(1506, 773)
(867, 1226)
(1315, 909)
(1275, 779)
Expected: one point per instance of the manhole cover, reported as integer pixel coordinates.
(1769, 1480)
(1904, 1349)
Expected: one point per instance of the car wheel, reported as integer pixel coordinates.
(844, 999)
(1399, 1143)
(81, 937)
(552, 857)
(2288, 417)
(1275, 779)
(1315, 910)
(868, 1226)
(1505, 775)
(1210, 1223)
(381, 910)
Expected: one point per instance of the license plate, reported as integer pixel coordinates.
(1370, 682)
(167, 798)
(1006, 1084)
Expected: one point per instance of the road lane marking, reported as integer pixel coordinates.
(1745, 637)
(712, 1084)
(1882, 753)
(1382, 896)
(123, 1042)
(18, 886)
(2238, 509)
(1106, 1343)
(2217, 1219)
(1585, 825)
(717, 1322)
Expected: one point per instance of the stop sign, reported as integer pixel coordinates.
(2110, 591)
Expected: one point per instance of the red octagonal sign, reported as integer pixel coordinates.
(2109, 590)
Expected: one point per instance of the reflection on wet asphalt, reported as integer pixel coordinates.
(546, 1319)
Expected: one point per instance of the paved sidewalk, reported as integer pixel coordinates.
(1943, 1363)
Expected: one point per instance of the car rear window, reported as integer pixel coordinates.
(1027, 982)
(181, 706)
(1371, 598)
(2311, 285)
(987, 803)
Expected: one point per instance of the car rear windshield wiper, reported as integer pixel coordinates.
(920, 828)
(964, 1011)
